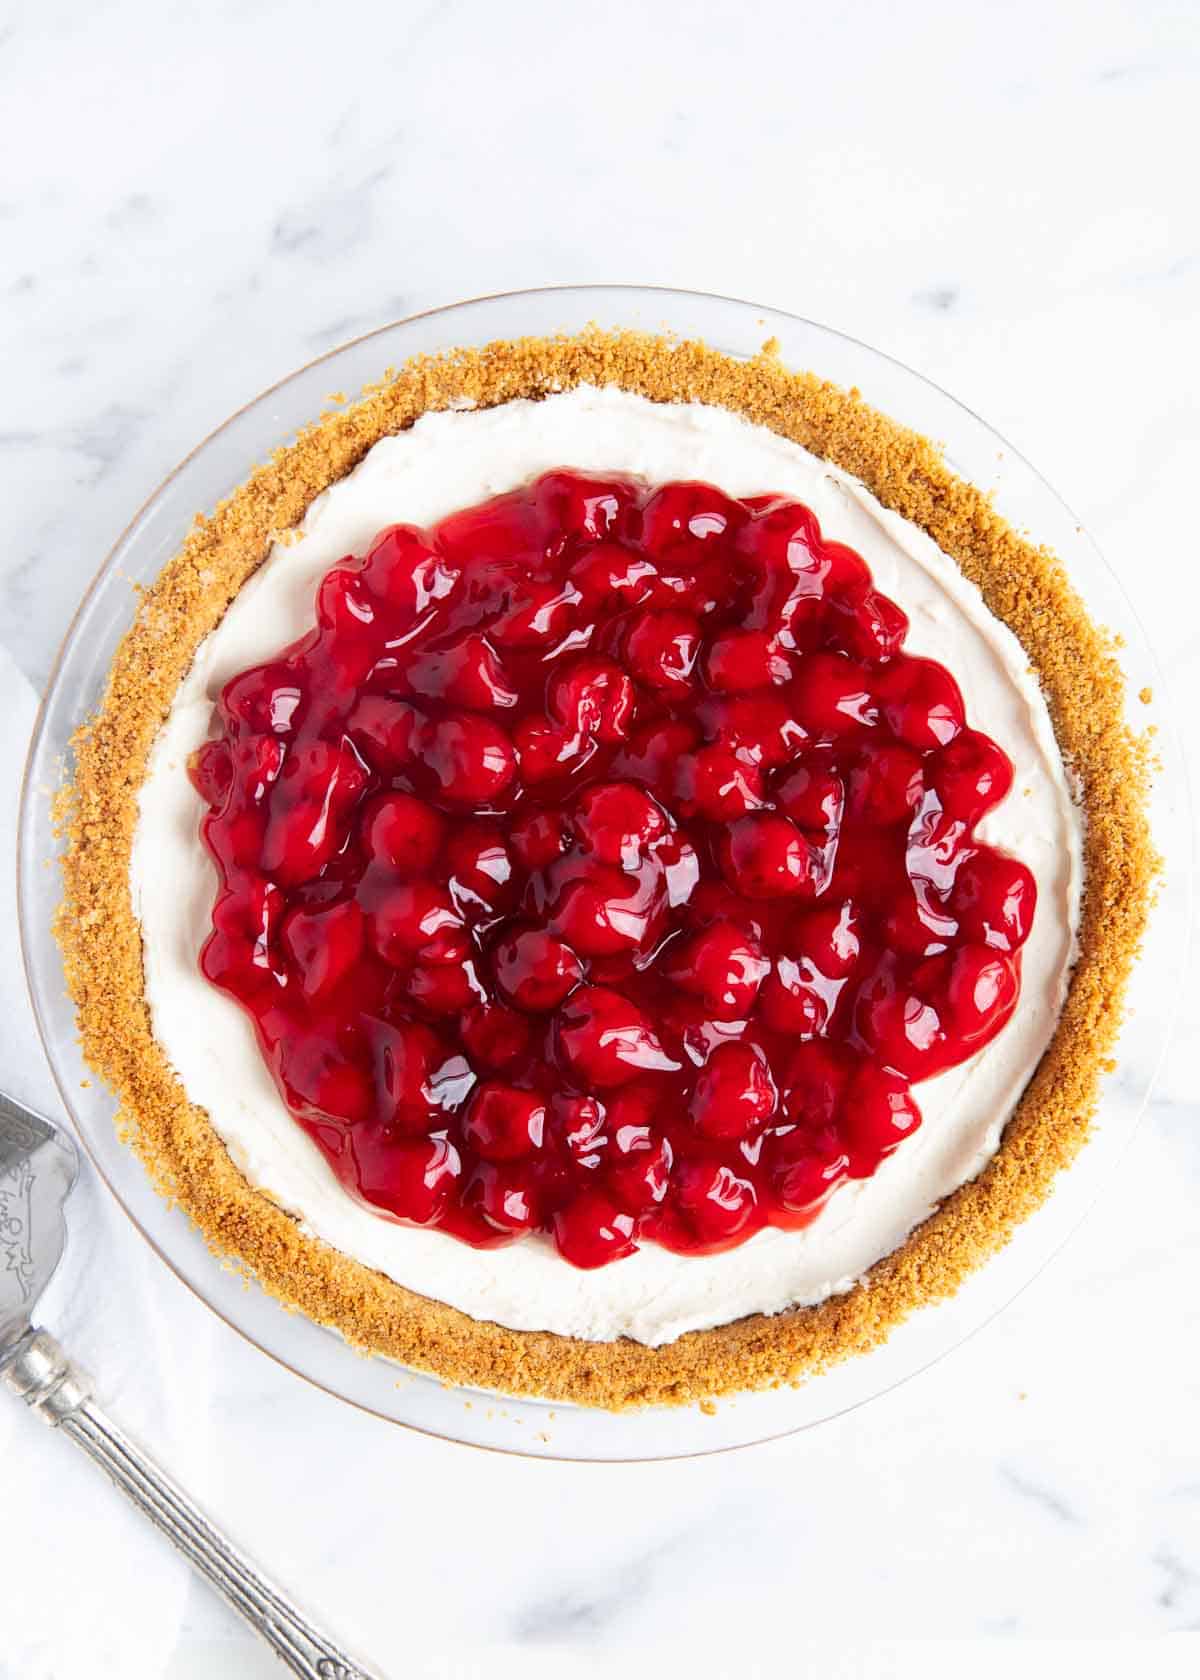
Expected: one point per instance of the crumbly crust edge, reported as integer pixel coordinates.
(1023, 584)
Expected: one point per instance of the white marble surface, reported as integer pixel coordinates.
(194, 200)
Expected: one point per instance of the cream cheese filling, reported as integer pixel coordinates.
(452, 460)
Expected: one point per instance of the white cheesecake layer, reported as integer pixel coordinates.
(450, 461)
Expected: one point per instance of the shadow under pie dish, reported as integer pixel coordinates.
(728, 897)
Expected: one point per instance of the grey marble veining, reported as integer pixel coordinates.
(1007, 205)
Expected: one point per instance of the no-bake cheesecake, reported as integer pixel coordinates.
(605, 871)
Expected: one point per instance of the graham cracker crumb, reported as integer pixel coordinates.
(1022, 584)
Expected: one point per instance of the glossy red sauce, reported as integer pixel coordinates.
(601, 864)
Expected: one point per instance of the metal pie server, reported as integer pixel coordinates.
(38, 1165)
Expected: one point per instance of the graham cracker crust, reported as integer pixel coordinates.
(1021, 583)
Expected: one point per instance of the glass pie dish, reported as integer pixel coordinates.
(216, 468)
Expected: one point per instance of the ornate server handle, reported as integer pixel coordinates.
(42, 1374)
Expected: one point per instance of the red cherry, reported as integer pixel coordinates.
(322, 1083)
(788, 566)
(480, 869)
(548, 752)
(538, 837)
(828, 939)
(241, 952)
(866, 625)
(785, 536)
(716, 1202)
(734, 1094)
(879, 1113)
(413, 1074)
(468, 674)
(388, 733)
(696, 585)
(505, 537)
(635, 1108)
(211, 771)
(310, 804)
(638, 1172)
(535, 970)
(403, 833)
(723, 786)
(617, 822)
(494, 1036)
(981, 994)
(606, 1039)
(921, 703)
(536, 613)
(255, 762)
(266, 700)
(804, 1170)
(411, 1181)
(901, 1024)
(323, 945)
(789, 1003)
(970, 776)
(344, 601)
(722, 966)
(590, 509)
(661, 649)
(408, 916)
(813, 795)
(581, 1125)
(814, 1082)
(994, 899)
(471, 758)
(766, 856)
(940, 1014)
(592, 697)
(846, 570)
(592, 1231)
(654, 755)
(441, 987)
(831, 697)
(503, 1123)
(742, 660)
(800, 997)
(602, 911)
(407, 574)
(761, 729)
(503, 1196)
(885, 784)
(609, 572)
(682, 520)
(917, 924)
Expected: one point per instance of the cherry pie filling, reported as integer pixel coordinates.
(601, 864)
